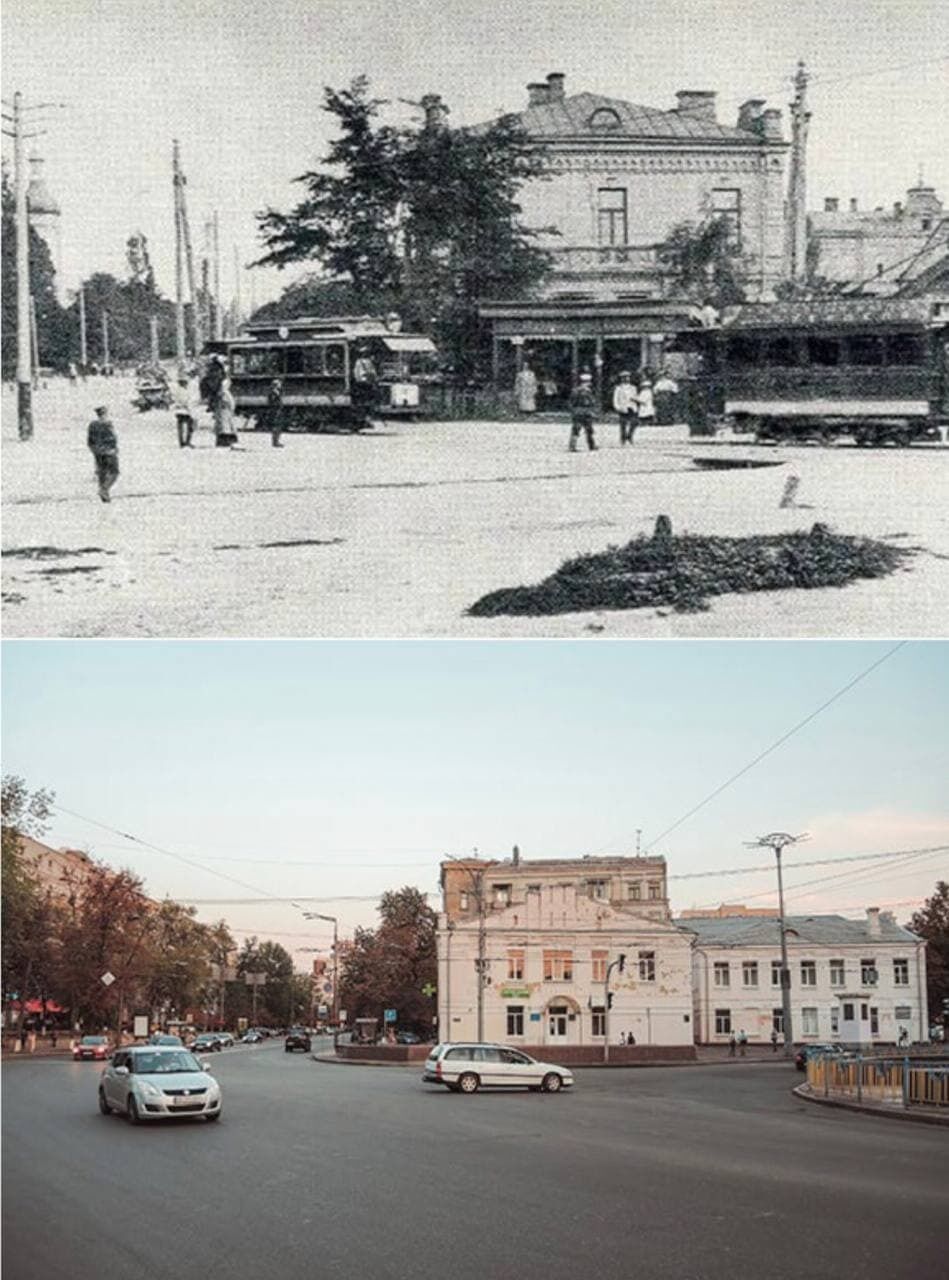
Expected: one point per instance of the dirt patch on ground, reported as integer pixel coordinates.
(682, 572)
(54, 553)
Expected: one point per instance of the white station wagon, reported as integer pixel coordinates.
(466, 1068)
(152, 1082)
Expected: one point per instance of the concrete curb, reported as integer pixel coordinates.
(914, 1117)
(333, 1061)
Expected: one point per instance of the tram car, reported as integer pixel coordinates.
(874, 369)
(335, 372)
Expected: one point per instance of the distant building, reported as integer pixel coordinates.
(546, 931)
(46, 219)
(57, 872)
(852, 981)
(872, 250)
(727, 910)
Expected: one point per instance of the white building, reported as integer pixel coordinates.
(541, 936)
(853, 981)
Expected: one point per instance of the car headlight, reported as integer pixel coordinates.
(149, 1090)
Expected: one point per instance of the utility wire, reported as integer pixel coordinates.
(779, 742)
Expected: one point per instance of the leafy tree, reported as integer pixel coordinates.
(425, 221)
(130, 305)
(932, 923)
(703, 262)
(387, 967)
(275, 998)
(27, 914)
(52, 324)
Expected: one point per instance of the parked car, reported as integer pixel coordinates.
(154, 1082)
(208, 1042)
(226, 1039)
(297, 1038)
(465, 1068)
(800, 1056)
(407, 1037)
(159, 1037)
(252, 1037)
(94, 1048)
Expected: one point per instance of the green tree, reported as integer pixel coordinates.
(425, 221)
(932, 923)
(389, 966)
(275, 998)
(52, 322)
(29, 919)
(703, 262)
(130, 305)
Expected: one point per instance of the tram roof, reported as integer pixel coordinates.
(834, 313)
(322, 327)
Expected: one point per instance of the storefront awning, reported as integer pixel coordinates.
(400, 343)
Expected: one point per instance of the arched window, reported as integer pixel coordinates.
(604, 118)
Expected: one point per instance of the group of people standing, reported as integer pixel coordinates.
(633, 404)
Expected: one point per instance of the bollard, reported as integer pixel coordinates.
(905, 1082)
(791, 486)
(859, 1078)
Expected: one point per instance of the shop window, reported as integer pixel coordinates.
(783, 351)
(742, 350)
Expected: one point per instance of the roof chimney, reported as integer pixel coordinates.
(698, 104)
(516, 856)
(555, 86)
(749, 114)
(831, 204)
(853, 204)
(436, 113)
(897, 208)
(771, 127)
(537, 93)
(873, 921)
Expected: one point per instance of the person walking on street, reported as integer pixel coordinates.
(625, 402)
(104, 446)
(774, 1040)
(582, 405)
(646, 403)
(525, 388)
(742, 1042)
(364, 387)
(275, 412)
(732, 1042)
(184, 411)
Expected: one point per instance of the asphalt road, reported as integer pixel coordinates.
(318, 1170)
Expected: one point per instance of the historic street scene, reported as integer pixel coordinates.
(475, 958)
(545, 344)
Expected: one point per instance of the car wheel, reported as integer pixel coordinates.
(131, 1110)
(552, 1083)
(103, 1105)
(468, 1083)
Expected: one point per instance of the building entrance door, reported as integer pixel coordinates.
(557, 1022)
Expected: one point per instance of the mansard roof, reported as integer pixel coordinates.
(592, 115)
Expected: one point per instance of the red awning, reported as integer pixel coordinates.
(36, 1006)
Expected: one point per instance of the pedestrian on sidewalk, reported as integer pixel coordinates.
(104, 445)
(732, 1042)
(275, 412)
(625, 402)
(582, 406)
(183, 401)
(645, 403)
(742, 1042)
(774, 1040)
(525, 388)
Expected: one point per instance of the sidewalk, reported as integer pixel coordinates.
(708, 1056)
(890, 1110)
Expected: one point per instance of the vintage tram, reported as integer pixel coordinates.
(876, 369)
(335, 372)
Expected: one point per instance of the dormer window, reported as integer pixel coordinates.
(604, 118)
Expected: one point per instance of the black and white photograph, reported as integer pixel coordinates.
(474, 639)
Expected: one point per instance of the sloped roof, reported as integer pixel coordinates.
(571, 118)
(738, 931)
(829, 311)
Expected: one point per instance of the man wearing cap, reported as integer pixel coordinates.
(582, 407)
(104, 446)
(624, 403)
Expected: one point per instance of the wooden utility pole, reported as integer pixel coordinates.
(24, 385)
(197, 327)
(179, 260)
(237, 293)
(797, 186)
(153, 330)
(217, 331)
(105, 340)
(34, 343)
(83, 353)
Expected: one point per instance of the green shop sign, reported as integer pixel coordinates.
(515, 993)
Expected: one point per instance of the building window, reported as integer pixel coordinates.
(599, 966)
(723, 977)
(502, 895)
(864, 1012)
(777, 1021)
(848, 1011)
(775, 973)
(837, 973)
(868, 972)
(515, 965)
(834, 1021)
(808, 973)
(611, 215)
(901, 973)
(557, 1021)
(723, 1022)
(599, 889)
(463, 900)
(647, 966)
(655, 890)
(749, 973)
(599, 1021)
(726, 204)
(809, 1022)
(903, 1013)
(635, 892)
(558, 966)
(874, 1020)
(515, 1019)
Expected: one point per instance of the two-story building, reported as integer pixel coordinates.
(872, 250)
(852, 981)
(529, 952)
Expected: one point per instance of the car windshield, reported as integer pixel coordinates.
(93, 1040)
(163, 1064)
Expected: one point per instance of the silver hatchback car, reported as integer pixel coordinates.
(465, 1068)
(152, 1082)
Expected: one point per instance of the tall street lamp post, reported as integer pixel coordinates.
(316, 915)
(778, 841)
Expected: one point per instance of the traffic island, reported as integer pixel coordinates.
(590, 1055)
(890, 1110)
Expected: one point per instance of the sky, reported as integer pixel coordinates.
(337, 770)
(241, 86)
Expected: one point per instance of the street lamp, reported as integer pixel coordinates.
(316, 915)
(778, 841)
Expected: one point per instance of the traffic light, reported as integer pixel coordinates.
(609, 1000)
(622, 963)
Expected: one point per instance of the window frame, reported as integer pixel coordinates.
(516, 958)
(558, 965)
(749, 968)
(808, 973)
(647, 966)
(514, 1017)
(900, 971)
(611, 220)
(838, 969)
(730, 212)
(810, 1020)
(722, 975)
(723, 1022)
(599, 961)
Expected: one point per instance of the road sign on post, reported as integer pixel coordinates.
(107, 979)
(391, 1015)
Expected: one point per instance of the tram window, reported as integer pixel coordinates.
(743, 350)
(824, 351)
(313, 360)
(335, 358)
(905, 348)
(783, 351)
(293, 358)
(865, 349)
(266, 362)
(238, 363)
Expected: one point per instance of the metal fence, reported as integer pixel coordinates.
(898, 1082)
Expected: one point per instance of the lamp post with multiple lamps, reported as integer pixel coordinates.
(333, 920)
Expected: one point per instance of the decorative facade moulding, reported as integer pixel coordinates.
(660, 164)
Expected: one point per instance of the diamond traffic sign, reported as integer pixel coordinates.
(107, 979)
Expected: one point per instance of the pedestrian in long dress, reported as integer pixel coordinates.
(275, 412)
(525, 388)
(582, 407)
(183, 402)
(104, 446)
(224, 416)
(625, 403)
(646, 405)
